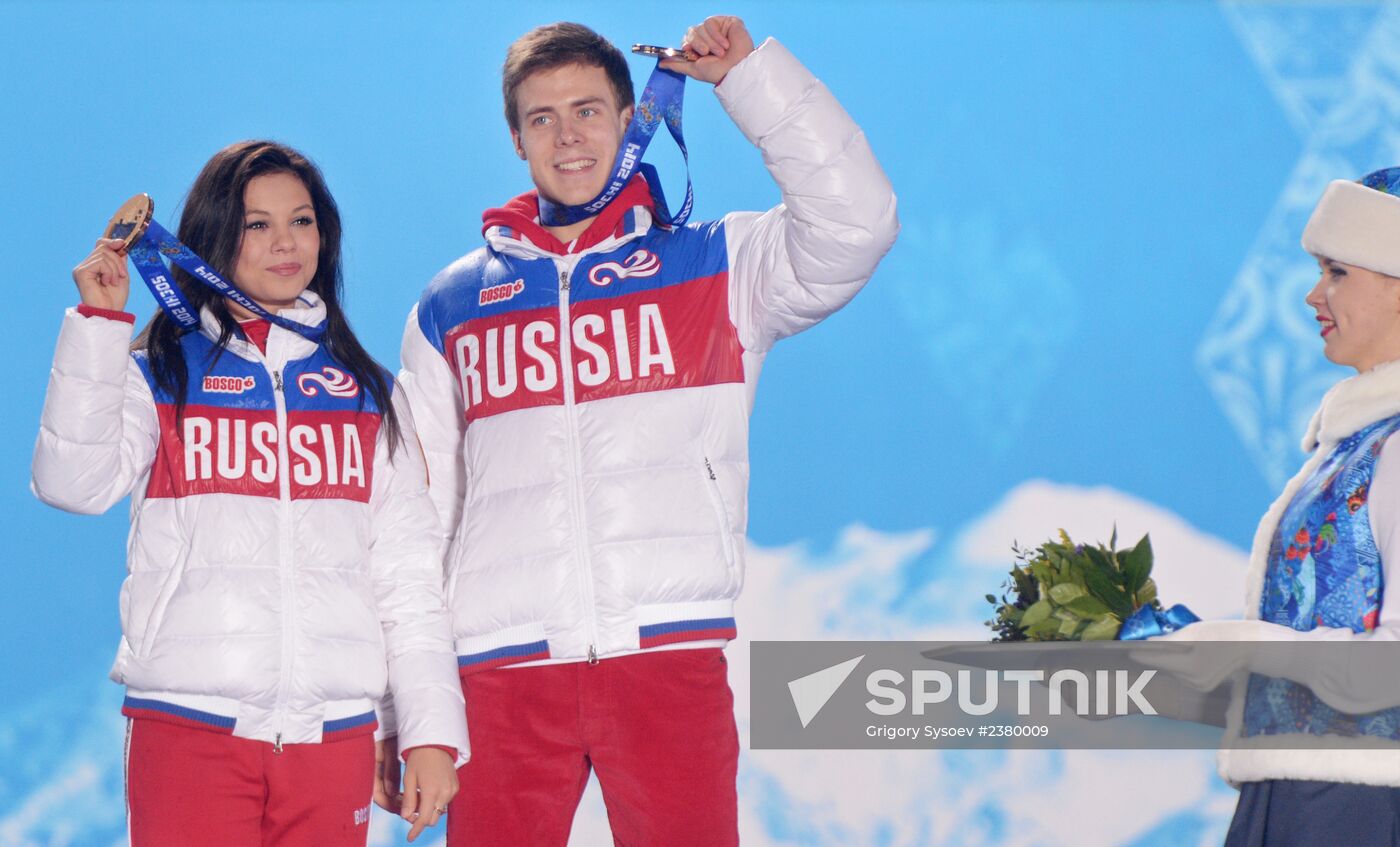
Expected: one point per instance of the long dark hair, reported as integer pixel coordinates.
(212, 226)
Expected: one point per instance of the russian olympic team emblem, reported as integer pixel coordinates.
(336, 383)
(640, 263)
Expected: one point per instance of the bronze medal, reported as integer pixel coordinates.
(131, 220)
(664, 52)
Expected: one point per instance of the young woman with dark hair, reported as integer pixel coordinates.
(214, 215)
(284, 564)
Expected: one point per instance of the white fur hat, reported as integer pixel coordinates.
(1356, 225)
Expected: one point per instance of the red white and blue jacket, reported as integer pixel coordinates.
(283, 570)
(585, 408)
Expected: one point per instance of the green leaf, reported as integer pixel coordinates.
(1137, 565)
(1026, 586)
(1100, 561)
(1102, 630)
(1066, 592)
(1069, 627)
(1087, 606)
(1043, 573)
(991, 598)
(1147, 593)
(1106, 589)
(1036, 613)
(1043, 630)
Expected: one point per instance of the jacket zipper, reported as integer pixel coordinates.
(284, 558)
(566, 368)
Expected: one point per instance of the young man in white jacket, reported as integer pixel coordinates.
(582, 392)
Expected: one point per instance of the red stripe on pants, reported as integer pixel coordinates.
(191, 786)
(657, 727)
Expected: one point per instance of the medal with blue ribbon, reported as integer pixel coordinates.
(660, 103)
(146, 242)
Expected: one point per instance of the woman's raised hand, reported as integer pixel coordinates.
(102, 279)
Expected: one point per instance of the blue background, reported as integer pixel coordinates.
(1084, 188)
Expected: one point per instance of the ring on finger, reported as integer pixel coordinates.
(441, 810)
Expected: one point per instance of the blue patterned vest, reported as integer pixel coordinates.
(1324, 570)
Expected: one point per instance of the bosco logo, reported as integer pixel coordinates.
(498, 293)
(227, 384)
(336, 383)
(640, 263)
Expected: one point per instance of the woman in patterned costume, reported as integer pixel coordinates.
(1321, 561)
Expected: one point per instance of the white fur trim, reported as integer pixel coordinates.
(1357, 402)
(1356, 225)
(1367, 767)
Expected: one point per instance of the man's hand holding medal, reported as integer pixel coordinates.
(719, 43)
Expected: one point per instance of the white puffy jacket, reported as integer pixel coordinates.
(281, 568)
(585, 415)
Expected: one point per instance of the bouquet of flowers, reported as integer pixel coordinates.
(1063, 591)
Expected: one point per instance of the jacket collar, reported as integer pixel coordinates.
(1355, 403)
(515, 230)
(283, 345)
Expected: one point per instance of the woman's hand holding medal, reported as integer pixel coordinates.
(102, 279)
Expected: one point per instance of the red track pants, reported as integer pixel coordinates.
(658, 728)
(190, 786)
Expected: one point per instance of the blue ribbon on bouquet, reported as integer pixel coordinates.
(660, 102)
(1148, 622)
(146, 254)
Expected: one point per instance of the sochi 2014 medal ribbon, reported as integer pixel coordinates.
(660, 102)
(146, 241)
